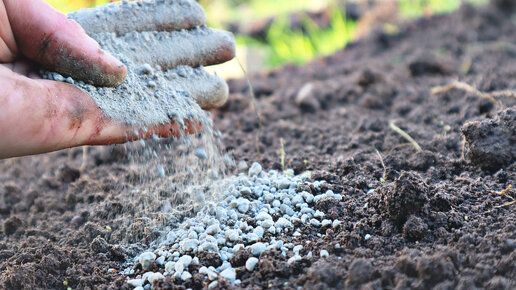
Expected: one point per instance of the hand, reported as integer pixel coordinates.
(37, 115)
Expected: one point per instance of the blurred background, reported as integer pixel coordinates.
(272, 33)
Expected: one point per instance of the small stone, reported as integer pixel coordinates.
(146, 259)
(229, 274)
(212, 275)
(283, 223)
(326, 223)
(294, 259)
(186, 260)
(160, 260)
(232, 235)
(189, 245)
(315, 223)
(151, 277)
(179, 267)
(200, 153)
(263, 216)
(255, 169)
(297, 249)
(243, 205)
(135, 282)
(208, 246)
(237, 247)
(298, 199)
(257, 248)
(242, 166)
(170, 267)
(213, 229)
(319, 214)
(146, 69)
(324, 254)
(367, 237)
(186, 276)
(251, 263)
(259, 231)
(252, 237)
(213, 285)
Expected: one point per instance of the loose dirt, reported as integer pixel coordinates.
(438, 217)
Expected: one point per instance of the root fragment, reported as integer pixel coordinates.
(405, 136)
(504, 192)
(506, 204)
(491, 96)
(384, 175)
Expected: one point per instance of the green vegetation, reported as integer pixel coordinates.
(417, 8)
(285, 45)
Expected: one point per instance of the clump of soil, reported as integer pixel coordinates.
(461, 236)
(491, 143)
(405, 196)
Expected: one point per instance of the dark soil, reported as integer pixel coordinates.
(433, 220)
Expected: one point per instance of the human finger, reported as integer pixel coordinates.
(125, 17)
(60, 44)
(198, 47)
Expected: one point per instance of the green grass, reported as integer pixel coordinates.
(285, 45)
(417, 8)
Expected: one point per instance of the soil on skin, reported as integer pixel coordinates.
(433, 220)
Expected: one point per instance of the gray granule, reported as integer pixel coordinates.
(151, 15)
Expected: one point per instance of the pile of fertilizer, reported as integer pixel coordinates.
(165, 79)
(252, 214)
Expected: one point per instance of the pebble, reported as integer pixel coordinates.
(283, 223)
(258, 248)
(186, 260)
(367, 237)
(293, 259)
(229, 274)
(324, 254)
(248, 213)
(315, 223)
(212, 229)
(243, 205)
(232, 235)
(255, 169)
(135, 282)
(326, 223)
(186, 276)
(200, 153)
(151, 277)
(251, 263)
(212, 275)
(263, 216)
(146, 259)
(189, 245)
(170, 267)
(213, 285)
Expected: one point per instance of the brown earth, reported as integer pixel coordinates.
(434, 219)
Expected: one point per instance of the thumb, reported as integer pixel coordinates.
(58, 43)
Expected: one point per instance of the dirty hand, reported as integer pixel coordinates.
(37, 115)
